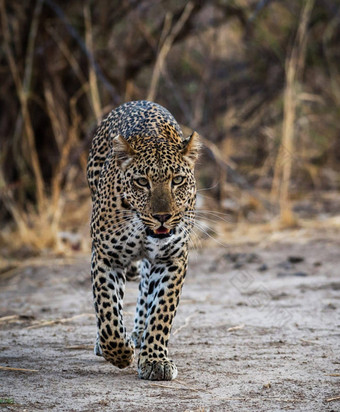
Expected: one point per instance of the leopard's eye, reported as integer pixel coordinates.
(142, 181)
(177, 180)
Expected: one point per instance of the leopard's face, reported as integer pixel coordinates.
(159, 183)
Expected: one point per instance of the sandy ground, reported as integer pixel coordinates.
(258, 329)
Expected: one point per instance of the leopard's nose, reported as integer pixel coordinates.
(162, 217)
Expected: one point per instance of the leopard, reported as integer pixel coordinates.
(140, 172)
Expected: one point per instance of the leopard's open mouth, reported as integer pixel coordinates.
(160, 233)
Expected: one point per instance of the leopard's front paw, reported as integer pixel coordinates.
(157, 370)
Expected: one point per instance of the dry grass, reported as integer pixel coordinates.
(38, 222)
(283, 167)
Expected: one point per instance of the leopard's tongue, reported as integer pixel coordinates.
(162, 231)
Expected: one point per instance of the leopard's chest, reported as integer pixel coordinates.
(165, 249)
(130, 246)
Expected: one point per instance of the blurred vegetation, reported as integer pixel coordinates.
(259, 80)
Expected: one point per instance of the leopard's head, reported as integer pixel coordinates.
(158, 180)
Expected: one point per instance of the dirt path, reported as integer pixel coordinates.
(254, 332)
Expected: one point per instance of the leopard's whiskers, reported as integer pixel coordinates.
(201, 228)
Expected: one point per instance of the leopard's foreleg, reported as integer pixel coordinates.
(165, 285)
(142, 303)
(108, 285)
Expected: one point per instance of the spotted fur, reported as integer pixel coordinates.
(140, 172)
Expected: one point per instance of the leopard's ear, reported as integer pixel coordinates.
(191, 148)
(123, 150)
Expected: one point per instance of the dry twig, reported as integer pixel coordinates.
(334, 398)
(163, 386)
(79, 347)
(8, 368)
(186, 323)
(8, 318)
(186, 385)
(310, 341)
(238, 327)
(57, 321)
